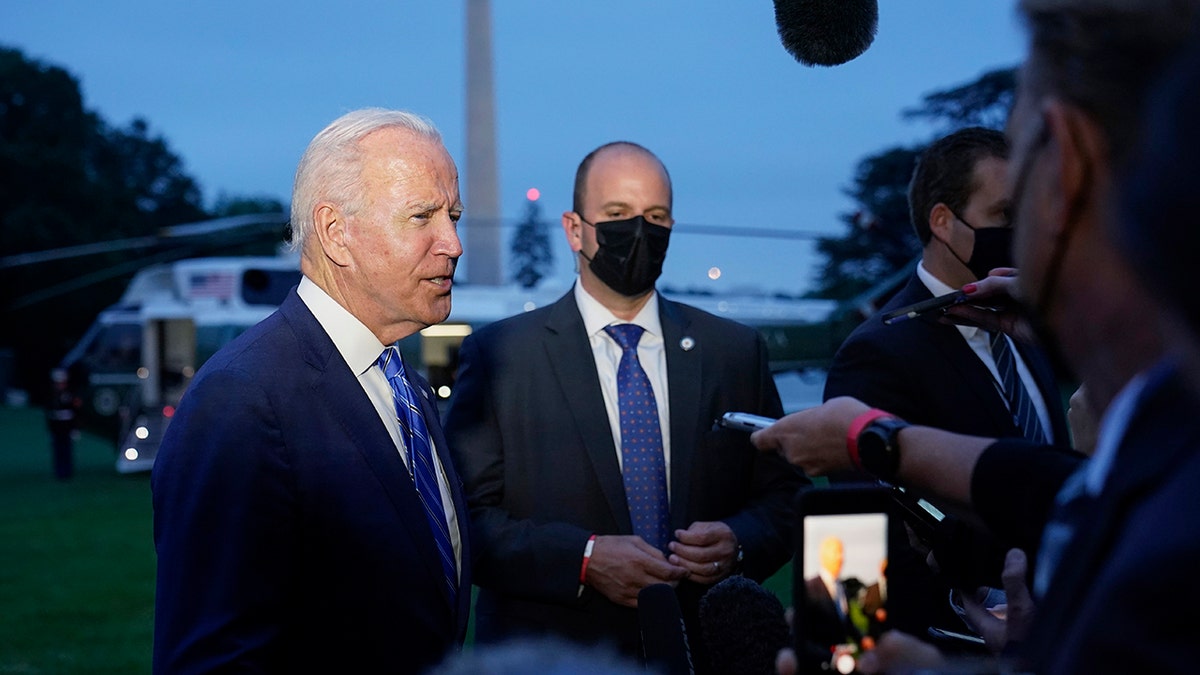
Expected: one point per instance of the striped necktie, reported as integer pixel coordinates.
(1024, 415)
(421, 466)
(643, 467)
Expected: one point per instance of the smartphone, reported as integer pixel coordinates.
(840, 585)
(924, 307)
(923, 517)
(951, 637)
(744, 421)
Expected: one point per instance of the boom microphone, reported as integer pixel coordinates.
(664, 637)
(826, 32)
(744, 626)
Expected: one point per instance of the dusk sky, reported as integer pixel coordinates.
(752, 138)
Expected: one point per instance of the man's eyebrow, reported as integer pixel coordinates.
(615, 204)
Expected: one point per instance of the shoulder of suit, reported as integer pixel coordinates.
(703, 324)
(515, 324)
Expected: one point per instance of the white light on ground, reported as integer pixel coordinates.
(444, 391)
(131, 454)
(142, 433)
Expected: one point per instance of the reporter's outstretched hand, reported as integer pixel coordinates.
(813, 439)
(993, 306)
(1018, 613)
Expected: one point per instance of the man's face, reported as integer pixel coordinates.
(987, 206)
(831, 556)
(622, 183)
(404, 241)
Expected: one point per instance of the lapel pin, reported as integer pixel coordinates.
(687, 344)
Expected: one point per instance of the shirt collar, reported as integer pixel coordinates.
(938, 287)
(354, 341)
(596, 316)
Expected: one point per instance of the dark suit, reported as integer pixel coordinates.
(530, 434)
(923, 371)
(822, 623)
(1136, 551)
(290, 537)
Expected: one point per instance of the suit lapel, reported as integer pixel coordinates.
(963, 360)
(336, 385)
(570, 355)
(683, 385)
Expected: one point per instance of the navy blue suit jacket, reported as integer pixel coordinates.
(1136, 553)
(529, 431)
(290, 537)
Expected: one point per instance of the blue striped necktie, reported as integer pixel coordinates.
(643, 467)
(420, 461)
(1024, 415)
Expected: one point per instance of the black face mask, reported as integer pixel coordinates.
(631, 253)
(993, 248)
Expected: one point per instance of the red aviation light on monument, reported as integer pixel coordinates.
(533, 194)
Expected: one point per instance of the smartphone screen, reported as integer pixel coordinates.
(841, 585)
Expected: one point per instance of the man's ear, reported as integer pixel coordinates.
(329, 226)
(941, 219)
(1080, 155)
(573, 227)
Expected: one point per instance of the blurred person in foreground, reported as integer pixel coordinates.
(1106, 534)
(307, 516)
(961, 378)
(584, 432)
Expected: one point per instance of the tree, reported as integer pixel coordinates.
(233, 205)
(531, 253)
(69, 178)
(879, 238)
(982, 103)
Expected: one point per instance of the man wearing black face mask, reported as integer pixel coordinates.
(931, 372)
(927, 371)
(575, 511)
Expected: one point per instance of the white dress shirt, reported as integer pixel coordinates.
(607, 354)
(980, 342)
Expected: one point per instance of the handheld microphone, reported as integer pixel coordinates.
(664, 637)
(743, 625)
(826, 32)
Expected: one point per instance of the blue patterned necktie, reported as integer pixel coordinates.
(1025, 416)
(643, 468)
(420, 460)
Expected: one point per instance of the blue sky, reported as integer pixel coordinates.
(752, 138)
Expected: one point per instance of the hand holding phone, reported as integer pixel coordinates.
(924, 307)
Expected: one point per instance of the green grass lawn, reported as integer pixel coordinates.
(77, 558)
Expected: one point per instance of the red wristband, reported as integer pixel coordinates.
(856, 428)
(587, 555)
